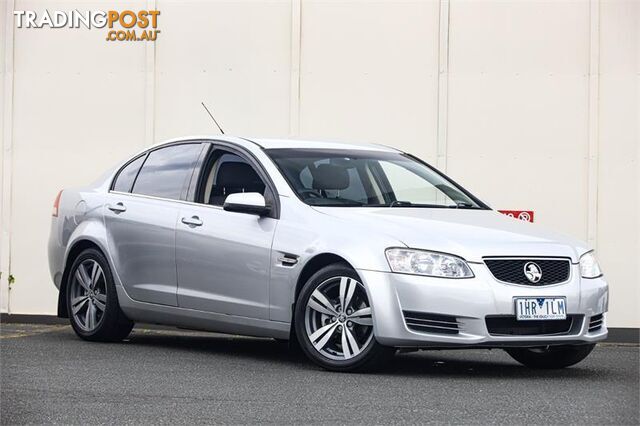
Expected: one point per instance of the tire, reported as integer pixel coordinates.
(92, 301)
(552, 357)
(352, 326)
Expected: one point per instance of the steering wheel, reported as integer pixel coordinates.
(310, 192)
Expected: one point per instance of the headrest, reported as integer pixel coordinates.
(328, 176)
(236, 173)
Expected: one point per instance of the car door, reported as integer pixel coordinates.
(140, 216)
(223, 258)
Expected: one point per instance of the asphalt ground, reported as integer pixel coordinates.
(166, 376)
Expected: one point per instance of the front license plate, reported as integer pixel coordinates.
(541, 308)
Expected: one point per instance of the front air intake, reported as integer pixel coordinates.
(430, 323)
(508, 325)
(595, 323)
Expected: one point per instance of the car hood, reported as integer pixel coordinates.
(471, 234)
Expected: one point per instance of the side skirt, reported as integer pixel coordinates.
(200, 320)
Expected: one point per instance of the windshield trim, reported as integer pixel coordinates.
(269, 152)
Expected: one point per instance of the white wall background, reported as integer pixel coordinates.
(529, 104)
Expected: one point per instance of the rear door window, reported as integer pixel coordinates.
(167, 171)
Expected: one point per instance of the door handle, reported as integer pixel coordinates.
(118, 207)
(192, 221)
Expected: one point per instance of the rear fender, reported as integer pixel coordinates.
(90, 233)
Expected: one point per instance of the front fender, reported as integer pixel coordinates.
(303, 233)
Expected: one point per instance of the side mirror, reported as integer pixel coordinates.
(246, 202)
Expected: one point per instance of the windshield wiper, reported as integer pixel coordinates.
(401, 203)
(333, 202)
(463, 205)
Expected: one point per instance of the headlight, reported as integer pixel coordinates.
(589, 267)
(419, 262)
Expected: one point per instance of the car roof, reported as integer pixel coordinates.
(310, 144)
(266, 143)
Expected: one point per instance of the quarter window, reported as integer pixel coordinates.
(127, 175)
(166, 171)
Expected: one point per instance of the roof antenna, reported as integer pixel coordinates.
(212, 117)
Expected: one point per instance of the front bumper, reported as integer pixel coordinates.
(470, 301)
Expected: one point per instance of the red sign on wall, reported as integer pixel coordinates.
(526, 215)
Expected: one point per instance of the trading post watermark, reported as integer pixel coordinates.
(124, 25)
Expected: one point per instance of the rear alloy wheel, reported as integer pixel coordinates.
(334, 322)
(88, 295)
(92, 301)
(551, 357)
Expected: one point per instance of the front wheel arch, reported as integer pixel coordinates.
(316, 263)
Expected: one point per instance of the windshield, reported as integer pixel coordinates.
(354, 178)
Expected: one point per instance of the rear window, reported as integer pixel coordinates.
(166, 171)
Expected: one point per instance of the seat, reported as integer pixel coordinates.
(330, 177)
(234, 177)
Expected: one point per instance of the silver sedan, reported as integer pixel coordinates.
(349, 251)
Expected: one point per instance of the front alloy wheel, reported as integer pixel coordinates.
(338, 318)
(334, 321)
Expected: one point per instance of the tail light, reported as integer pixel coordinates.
(56, 204)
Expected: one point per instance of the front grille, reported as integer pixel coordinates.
(430, 323)
(595, 323)
(553, 271)
(508, 325)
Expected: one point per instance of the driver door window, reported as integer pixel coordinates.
(229, 174)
